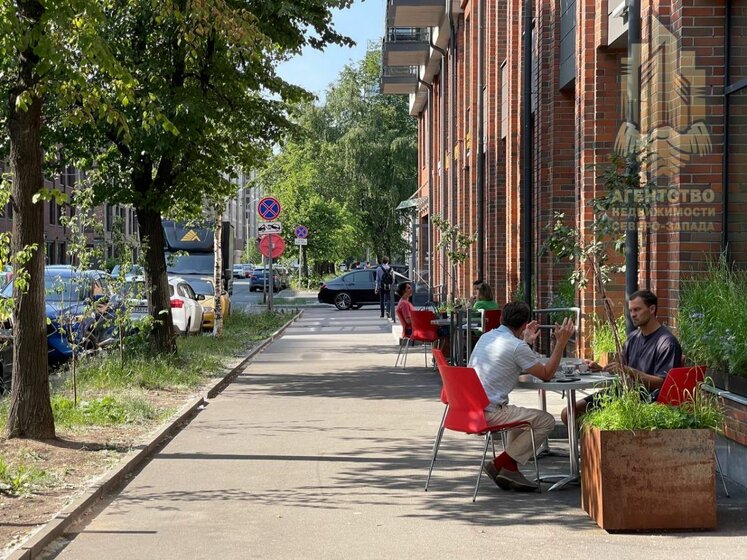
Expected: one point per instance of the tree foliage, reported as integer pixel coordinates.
(352, 162)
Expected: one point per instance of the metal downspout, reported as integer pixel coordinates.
(633, 117)
(526, 156)
(444, 192)
(452, 130)
(725, 161)
(480, 141)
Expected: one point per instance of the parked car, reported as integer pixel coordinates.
(239, 271)
(6, 276)
(357, 288)
(205, 290)
(186, 312)
(137, 298)
(248, 269)
(284, 276)
(80, 303)
(6, 360)
(259, 280)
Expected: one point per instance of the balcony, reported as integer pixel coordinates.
(399, 80)
(407, 46)
(415, 13)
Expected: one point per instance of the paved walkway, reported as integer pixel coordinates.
(320, 450)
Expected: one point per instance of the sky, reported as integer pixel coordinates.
(316, 70)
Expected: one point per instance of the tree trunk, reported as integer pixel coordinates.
(30, 409)
(162, 337)
(218, 272)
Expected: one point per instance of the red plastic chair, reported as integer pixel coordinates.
(440, 360)
(422, 331)
(465, 413)
(491, 319)
(680, 386)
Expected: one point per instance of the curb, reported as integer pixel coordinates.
(54, 528)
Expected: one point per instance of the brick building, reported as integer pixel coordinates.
(462, 65)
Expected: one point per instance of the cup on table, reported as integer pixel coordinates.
(583, 368)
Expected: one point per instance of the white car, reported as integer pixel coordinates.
(186, 311)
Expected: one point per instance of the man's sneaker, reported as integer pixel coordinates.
(514, 480)
(492, 472)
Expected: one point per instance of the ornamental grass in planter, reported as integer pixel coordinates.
(647, 466)
(713, 324)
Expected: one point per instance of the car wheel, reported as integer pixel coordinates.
(343, 301)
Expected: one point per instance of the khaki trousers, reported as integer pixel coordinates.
(519, 441)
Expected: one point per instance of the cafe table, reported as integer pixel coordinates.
(571, 384)
(457, 323)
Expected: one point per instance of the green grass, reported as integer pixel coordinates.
(20, 480)
(622, 409)
(602, 340)
(198, 357)
(110, 393)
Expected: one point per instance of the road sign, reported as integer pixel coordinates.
(301, 232)
(301, 241)
(268, 208)
(265, 228)
(278, 246)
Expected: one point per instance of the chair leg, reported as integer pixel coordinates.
(425, 353)
(720, 472)
(436, 445)
(536, 463)
(407, 348)
(488, 438)
(396, 362)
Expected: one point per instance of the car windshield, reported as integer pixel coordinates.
(57, 288)
(190, 264)
(131, 270)
(203, 287)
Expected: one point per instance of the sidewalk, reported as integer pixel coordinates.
(320, 450)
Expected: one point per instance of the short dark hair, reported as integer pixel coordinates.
(648, 297)
(515, 314)
(401, 288)
(477, 283)
(384, 260)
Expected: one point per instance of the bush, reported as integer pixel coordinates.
(603, 342)
(712, 321)
(621, 408)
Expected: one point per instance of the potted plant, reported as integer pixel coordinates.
(713, 324)
(603, 342)
(649, 466)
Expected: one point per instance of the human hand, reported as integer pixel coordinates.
(564, 332)
(531, 333)
(376, 290)
(593, 366)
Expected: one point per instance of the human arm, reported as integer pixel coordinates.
(377, 283)
(563, 334)
(668, 356)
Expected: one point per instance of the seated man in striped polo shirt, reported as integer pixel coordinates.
(499, 357)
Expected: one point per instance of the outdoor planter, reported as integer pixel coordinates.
(649, 480)
(728, 381)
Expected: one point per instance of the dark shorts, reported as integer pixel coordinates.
(408, 331)
(443, 330)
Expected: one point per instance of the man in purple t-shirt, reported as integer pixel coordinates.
(648, 354)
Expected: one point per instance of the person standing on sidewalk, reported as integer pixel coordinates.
(384, 281)
(499, 357)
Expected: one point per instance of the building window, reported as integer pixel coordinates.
(50, 253)
(109, 217)
(62, 252)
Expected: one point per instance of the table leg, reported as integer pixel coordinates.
(545, 449)
(572, 443)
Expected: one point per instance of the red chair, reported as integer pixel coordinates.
(440, 360)
(491, 319)
(465, 413)
(422, 331)
(680, 386)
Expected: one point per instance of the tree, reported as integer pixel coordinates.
(49, 49)
(208, 102)
(352, 162)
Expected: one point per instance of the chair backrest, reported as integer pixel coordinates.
(421, 326)
(680, 385)
(467, 399)
(491, 319)
(440, 359)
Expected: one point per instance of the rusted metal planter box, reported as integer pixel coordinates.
(649, 480)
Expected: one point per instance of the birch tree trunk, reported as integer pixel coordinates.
(218, 271)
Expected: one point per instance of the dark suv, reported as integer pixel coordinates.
(259, 280)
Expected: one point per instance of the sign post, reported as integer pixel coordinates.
(301, 233)
(269, 209)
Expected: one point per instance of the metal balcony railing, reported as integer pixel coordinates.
(408, 35)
